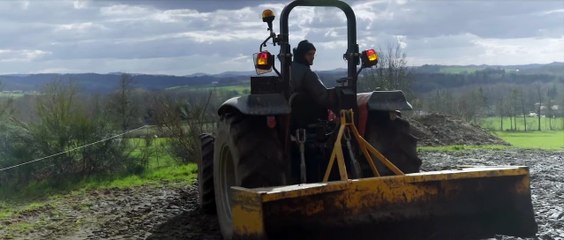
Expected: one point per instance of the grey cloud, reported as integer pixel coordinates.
(134, 32)
(52, 12)
(447, 47)
(150, 49)
(200, 5)
(168, 36)
(500, 19)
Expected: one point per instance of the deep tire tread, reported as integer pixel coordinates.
(205, 175)
(257, 155)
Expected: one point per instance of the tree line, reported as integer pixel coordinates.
(516, 102)
(474, 95)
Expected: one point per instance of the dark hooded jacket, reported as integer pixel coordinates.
(305, 81)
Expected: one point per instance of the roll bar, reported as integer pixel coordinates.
(351, 55)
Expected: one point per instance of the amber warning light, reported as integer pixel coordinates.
(268, 17)
(266, 14)
(263, 62)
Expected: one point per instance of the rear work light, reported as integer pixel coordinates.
(263, 62)
(369, 58)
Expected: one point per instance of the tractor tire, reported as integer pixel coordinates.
(389, 133)
(205, 175)
(248, 154)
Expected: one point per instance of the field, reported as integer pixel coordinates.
(494, 124)
(240, 89)
(532, 138)
(549, 140)
(459, 69)
(10, 95)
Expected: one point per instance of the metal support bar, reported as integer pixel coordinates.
(300, 139)
(337, 153)
(347, 122)
(356, 171)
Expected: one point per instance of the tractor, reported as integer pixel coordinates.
(268, 171)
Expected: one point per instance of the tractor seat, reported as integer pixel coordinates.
(305, 111)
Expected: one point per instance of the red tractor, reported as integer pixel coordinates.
(268, 170)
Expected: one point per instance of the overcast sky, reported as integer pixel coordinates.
(186, 37)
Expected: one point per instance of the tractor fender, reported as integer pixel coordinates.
(379, 101)
(257, 104)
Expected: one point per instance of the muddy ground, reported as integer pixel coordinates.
(170, 211)
(547, 181)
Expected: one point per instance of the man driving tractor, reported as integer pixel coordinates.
(306, 81)
(314, 98)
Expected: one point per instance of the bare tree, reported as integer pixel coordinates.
(503, 106)
(121, 106)
(523, 109)
(5, 104)
(551, 94)
(441, 101)
(392, 72)
(513, 107)
(539, 108)
(183, 120)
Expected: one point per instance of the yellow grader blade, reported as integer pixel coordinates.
(452, 204)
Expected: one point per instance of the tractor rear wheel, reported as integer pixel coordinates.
(247, 153)
(389, 133)
(205, 174)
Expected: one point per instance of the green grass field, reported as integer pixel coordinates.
(11, 95)
(549, 140)
(459, 69)
(531, 139)
(240, 89)
(494, 123)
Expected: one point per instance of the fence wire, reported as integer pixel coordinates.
(71, 150)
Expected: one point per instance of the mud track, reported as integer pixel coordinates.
(171, 211)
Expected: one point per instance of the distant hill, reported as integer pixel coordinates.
(430, 77)
(555, 68)
(427, 77)
(102, 83)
